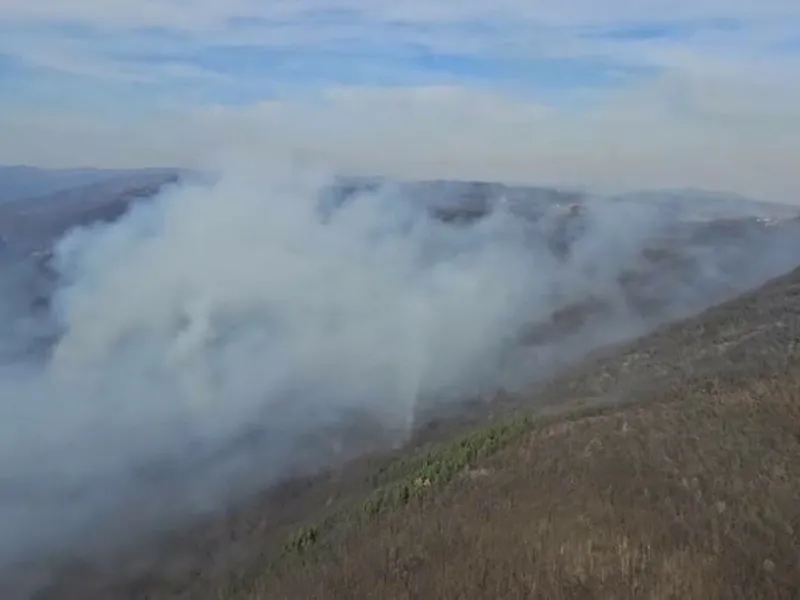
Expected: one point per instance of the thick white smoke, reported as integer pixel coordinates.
(245, 306)
(204, 340)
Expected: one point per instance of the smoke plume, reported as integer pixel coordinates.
(221, 336)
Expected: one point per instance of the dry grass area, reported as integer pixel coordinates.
(697, 497)
(678, 478)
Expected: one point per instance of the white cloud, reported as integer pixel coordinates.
(677, 132)
(506, 29)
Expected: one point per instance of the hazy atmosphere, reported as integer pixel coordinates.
(245, 240)
(619, 94)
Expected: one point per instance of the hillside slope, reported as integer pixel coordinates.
(37, 221)
(690, 492)
(665, 468)
(22, 183)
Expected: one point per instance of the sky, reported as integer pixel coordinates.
(618, 94)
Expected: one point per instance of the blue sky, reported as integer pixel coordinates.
(251, 51)
(571, 74)
(164, 64)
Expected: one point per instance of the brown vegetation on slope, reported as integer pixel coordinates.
(690, 498)
(692, 492)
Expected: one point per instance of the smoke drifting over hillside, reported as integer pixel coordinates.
(220, 336)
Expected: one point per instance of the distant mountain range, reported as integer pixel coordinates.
(710, 205)
(467, 200)
(38, 204)
(31, 220)
(19, 182)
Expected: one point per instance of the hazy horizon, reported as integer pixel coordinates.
(45, 181)
(665, 94)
